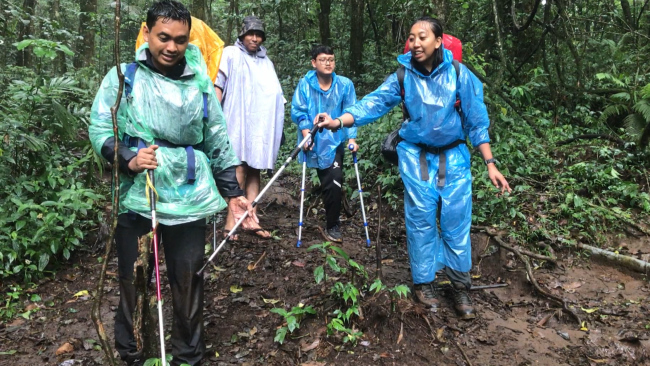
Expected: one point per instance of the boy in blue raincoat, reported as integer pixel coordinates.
(322, 91)
(434, 161)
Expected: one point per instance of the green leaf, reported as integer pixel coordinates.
(319, 274)
(340, 252)
(23, 44)
(280, 334)
(43, 260)
(20, 224)
(279, 311)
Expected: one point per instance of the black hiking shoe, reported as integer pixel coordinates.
(333, 234)
(462, 302)
(134, 359)
(427, 294)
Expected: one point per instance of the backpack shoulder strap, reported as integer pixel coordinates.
(129, 78)
(456, 67)
(400, 79)
(457, 105)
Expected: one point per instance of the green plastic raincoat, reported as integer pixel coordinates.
(160, 108)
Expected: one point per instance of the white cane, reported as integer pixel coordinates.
(363, 211)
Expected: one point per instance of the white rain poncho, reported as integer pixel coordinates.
(308, 101)
(160, 108)
(434, 122)
(253, 105)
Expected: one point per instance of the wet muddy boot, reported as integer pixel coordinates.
(427, 294)
(462, 302)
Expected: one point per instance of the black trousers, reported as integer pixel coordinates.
(331, 180)
(184, 248)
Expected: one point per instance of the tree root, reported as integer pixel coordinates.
(623, 260)
(533, 280)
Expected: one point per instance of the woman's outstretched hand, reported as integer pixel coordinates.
(498, 179)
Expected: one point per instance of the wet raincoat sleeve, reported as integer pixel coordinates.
(349, 101)
(376, 104)
(219, 150)
(300, 107)
(476, 120)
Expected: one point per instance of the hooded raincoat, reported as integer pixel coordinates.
(308, 101)
(253, 104)
(177, 118)
(434, 122)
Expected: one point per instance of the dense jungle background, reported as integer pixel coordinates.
(567, 88)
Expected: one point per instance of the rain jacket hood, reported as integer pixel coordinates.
(308, 101)
(160, 108)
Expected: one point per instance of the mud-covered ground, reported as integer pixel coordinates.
(515, 326)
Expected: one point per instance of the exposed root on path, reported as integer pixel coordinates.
(533, 280)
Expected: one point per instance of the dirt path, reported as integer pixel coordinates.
(615, 306)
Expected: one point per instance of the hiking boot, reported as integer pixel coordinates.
(462, 302)
(333, 234)
(134, 359)
(427, 294)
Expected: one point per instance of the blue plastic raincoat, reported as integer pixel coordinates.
(170, 110)
(434, 122)
(308, 101)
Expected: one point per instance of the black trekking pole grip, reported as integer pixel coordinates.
(295, 151)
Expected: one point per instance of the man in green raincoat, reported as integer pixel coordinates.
(169, 121)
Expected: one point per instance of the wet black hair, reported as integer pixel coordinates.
(320, 48)
(168, 10)
(436, 28)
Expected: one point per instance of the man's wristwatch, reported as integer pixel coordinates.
(491, 161)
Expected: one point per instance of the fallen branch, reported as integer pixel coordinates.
(623, 260)
(533, 280)
(462, 352)
(526, 252)
(95, 312)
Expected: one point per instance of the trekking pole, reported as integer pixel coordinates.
(214, 232)
(363, 211)
(292, 156)
(302, 197)
(153, 195)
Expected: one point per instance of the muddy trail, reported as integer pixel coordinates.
(515, 326)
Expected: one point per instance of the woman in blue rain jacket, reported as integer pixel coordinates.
(434, 159)
(322, 91)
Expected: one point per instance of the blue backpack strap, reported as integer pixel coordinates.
(205, 106)
(191, 165)
(129, 78)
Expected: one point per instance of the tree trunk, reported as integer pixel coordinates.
(375, 29)
(55, 17)
(233, 13)
(627, 15)
(24, 57)
(324, 22)
(198, 10)
(356, 37)
(86, 46)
